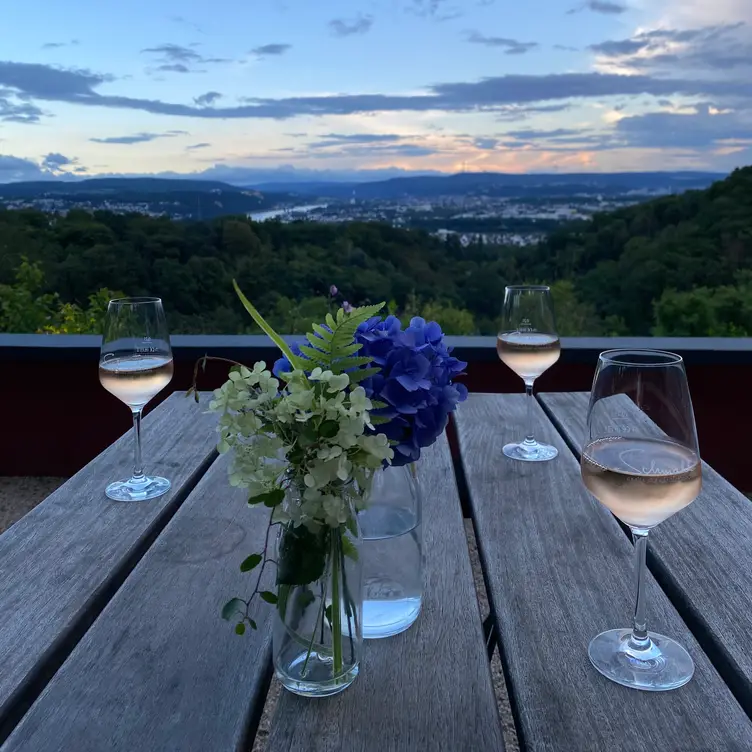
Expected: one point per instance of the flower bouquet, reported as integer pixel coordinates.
(306, 441)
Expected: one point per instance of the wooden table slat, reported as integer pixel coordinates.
(702, 557)
(159, 669)
(61, 563)
(559, 570)
(428, 688)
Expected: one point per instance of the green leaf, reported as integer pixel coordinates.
(251, 563)
(365, 373)
(379, 420)
(252, 624)
(270, 499)
(314, 357)
(329, 429)
(240, 628)
(232, 607)
(348, 548)
(268, 597)
(259, 319)
(345, 364)
(352, 526)
(315, 341)
(323, 332)
(331, 323)
(352, 349)
(302, 555)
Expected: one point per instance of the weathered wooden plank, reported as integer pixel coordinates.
(62, 562)
(159, 669)
(702, 557)
(428, 688)
(559, 570)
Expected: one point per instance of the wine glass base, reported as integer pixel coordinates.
(534, 452)
(128, 490)
(664, 664)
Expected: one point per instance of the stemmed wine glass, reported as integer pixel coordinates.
(641, 460)
(135, 364)
(529, 345)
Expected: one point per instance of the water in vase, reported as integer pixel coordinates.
(392, 566)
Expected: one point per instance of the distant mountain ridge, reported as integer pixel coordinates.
(504, 184)
(114, 185)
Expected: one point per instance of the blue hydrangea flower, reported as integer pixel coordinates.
(415, 381)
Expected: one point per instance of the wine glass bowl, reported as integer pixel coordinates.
(641, 461)
(529, 345)
(135, 364)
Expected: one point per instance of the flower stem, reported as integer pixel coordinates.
(336, 612)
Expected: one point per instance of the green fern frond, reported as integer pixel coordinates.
(379, 420)
(323, 332)
(364, 373)
(315, 358)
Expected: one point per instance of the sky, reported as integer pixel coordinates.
(340, 89)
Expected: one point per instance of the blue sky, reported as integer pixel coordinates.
(252, 90)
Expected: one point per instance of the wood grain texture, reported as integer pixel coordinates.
(702, 557)
(559, 571)
(428, 688)
(159, 669)
(62, 562)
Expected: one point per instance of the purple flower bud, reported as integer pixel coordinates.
(333, 290)
(347, 307)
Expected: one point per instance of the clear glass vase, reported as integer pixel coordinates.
(317, 637)
(391, 552)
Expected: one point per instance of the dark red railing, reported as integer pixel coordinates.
(57, 417)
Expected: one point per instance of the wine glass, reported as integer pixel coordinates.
(529, 345)
(135, 364)
(641, 460)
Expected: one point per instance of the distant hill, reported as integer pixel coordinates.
(503, 184)
(661, 265)
(185, 198)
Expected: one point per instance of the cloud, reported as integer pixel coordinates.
(338, 139)
(137, 138)
(55, 162)
(706, 128)
(486, 144)
(511, 46)
(531, 134)
(208, 99)
(58, 45)
(670, 51)
(496, 94)
(174, 68)
(271, 49)
(601, 6)
(202, 145)
(512, 112)
(174, 58)
(16, 168)
(437, 10)
(343, 27)
(566, 48)
(16, 110)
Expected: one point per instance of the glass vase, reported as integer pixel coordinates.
(317, 636)
(391, 552)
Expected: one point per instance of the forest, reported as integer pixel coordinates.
(675, 266)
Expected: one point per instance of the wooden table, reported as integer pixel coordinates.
(110, 637)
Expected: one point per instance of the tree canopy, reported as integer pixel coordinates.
(679, 265)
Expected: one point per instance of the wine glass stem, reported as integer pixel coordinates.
(639, 638)
(530, 438)
(138, 468)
